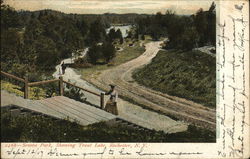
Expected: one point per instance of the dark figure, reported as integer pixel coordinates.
(111, 105)
(63, 68)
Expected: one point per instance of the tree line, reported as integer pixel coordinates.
(183, 32)
(37, 41)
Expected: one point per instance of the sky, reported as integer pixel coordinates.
(112, 6)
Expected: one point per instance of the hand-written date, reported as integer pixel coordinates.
(55, 152)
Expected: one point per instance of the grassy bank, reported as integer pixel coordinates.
(190, 75)
(127, 53)
(31, 128)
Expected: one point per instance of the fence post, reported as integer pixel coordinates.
(102, 100)
(26, 88)
(61, 91)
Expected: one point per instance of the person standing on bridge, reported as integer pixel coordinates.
(111, 105)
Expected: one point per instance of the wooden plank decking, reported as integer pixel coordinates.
(59, 107)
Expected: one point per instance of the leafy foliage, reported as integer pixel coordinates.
(100, 52)
(74, 93)
(183, 32)
(34, 92)
(43, 38)
(37, 41)
(94, 53)
(97, 32)
(9, 17)
(115, 34)
(108, 52)
(189, 39)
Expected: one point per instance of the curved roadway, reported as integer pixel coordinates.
(170, 105)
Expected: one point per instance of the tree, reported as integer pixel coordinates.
(155, 31)
(36, 41)
(121, 40)
(211, 29)
(108, 51)
(176, 29)
(159, 19)
(9, 17)
(189, 39)
(136, 35)
(33, 30)
(47, 53)
(10, 47)
(212, 8)
(97, 32)
(94, 53)
(201, 24)
(112, 34)
(118, 34)
(82, 26)
(142, 25)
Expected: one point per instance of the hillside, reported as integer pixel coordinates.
(189, 75)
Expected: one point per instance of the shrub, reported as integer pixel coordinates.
(74, 93)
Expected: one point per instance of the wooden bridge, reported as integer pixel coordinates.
(59, 106)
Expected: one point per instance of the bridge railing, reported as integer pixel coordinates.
(60, 81)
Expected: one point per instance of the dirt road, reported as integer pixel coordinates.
(128, 111)
(180, 108)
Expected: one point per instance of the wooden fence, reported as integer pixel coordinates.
(60, 81)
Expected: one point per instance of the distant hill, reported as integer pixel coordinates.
(109, 18)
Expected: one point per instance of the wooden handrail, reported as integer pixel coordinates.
(42, 82)
(61, 89)
(82, 88)
(12, 76)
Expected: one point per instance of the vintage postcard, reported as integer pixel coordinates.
(124, 79)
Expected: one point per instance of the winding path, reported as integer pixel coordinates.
(128, 111)
(170, 105)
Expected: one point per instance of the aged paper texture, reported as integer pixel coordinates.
(232, 112)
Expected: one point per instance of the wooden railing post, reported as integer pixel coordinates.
(102, 100)
(61, 90)
(26, 87)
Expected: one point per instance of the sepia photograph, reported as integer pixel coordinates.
(110, 71)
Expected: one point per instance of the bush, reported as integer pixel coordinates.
(34, 92)
(74, 93)
(51, 89)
